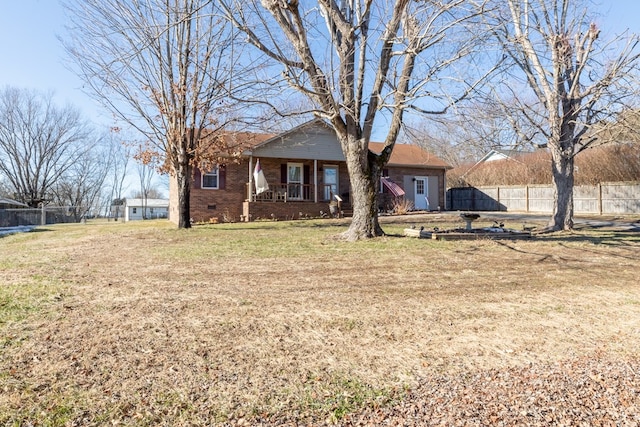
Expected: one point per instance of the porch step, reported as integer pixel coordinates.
(346, 209)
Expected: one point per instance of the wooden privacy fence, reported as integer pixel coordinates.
(606, 198)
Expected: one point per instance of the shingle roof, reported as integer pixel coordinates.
(402, 155)
(410, 155)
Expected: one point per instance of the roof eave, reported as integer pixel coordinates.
(421, 166)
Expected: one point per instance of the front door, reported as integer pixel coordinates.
(294, 181)
(421, 202)
(330, 181)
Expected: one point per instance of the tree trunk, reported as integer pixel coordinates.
(364, 196)
(563, 180)
(183, 179)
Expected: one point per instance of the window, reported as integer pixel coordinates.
(134, 210)
(210, 179)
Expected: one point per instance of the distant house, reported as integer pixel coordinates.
(137, 209)
(12, 213)
(11, 204)
(486, 168)
(494, 155)
(305, 170)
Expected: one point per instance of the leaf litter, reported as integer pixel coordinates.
(342, 334)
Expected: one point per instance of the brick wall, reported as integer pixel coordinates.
(229, 204)
(225, 204)
(284, 211)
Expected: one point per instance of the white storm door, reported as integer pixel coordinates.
(420, 192)
(330, 181)
(294, 181)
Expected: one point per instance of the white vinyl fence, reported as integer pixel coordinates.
(606, 198)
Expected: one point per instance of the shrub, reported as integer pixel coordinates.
(401, 205)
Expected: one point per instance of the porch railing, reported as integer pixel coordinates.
(290, 193)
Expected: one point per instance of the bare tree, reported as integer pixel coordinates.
(4, 190)
(563, 80)
(39, 143)
(83, 182)
(470, 131)
(146, 172)
(362, 63)
(121, 155)
(163, 67)
(153, 192)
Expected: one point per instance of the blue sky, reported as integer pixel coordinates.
(33, 58)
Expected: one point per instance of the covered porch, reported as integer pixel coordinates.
(294, 189)
(293, 180)
(291, 193)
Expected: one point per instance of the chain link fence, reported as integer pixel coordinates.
(40, 216)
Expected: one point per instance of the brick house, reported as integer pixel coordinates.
(305, 168)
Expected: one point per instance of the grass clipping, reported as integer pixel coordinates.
(143, 324)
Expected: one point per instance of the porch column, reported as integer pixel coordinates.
(315, 181)
(444, 191)
(250, 178)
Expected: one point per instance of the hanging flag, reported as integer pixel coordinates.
(394, 188)
(259, 179)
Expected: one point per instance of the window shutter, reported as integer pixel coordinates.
(283, 173)
(307, 174)
(222, 177)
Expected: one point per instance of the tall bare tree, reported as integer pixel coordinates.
(4, 189)
(146, 172)
(470, 131)
(82, 184)
(163, 67)
(39, 142)
(121, 155)
(566, 81)
(362, 63)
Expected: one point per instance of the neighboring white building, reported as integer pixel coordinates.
(11, 204)
(134, 209)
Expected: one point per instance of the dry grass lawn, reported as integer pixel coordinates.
(143, 324)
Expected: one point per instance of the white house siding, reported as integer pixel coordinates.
(155, 208)
(433, 189)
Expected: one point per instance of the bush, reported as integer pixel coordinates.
(402, 206)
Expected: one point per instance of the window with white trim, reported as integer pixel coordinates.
(211, 179)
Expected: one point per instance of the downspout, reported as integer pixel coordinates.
(444, 190)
